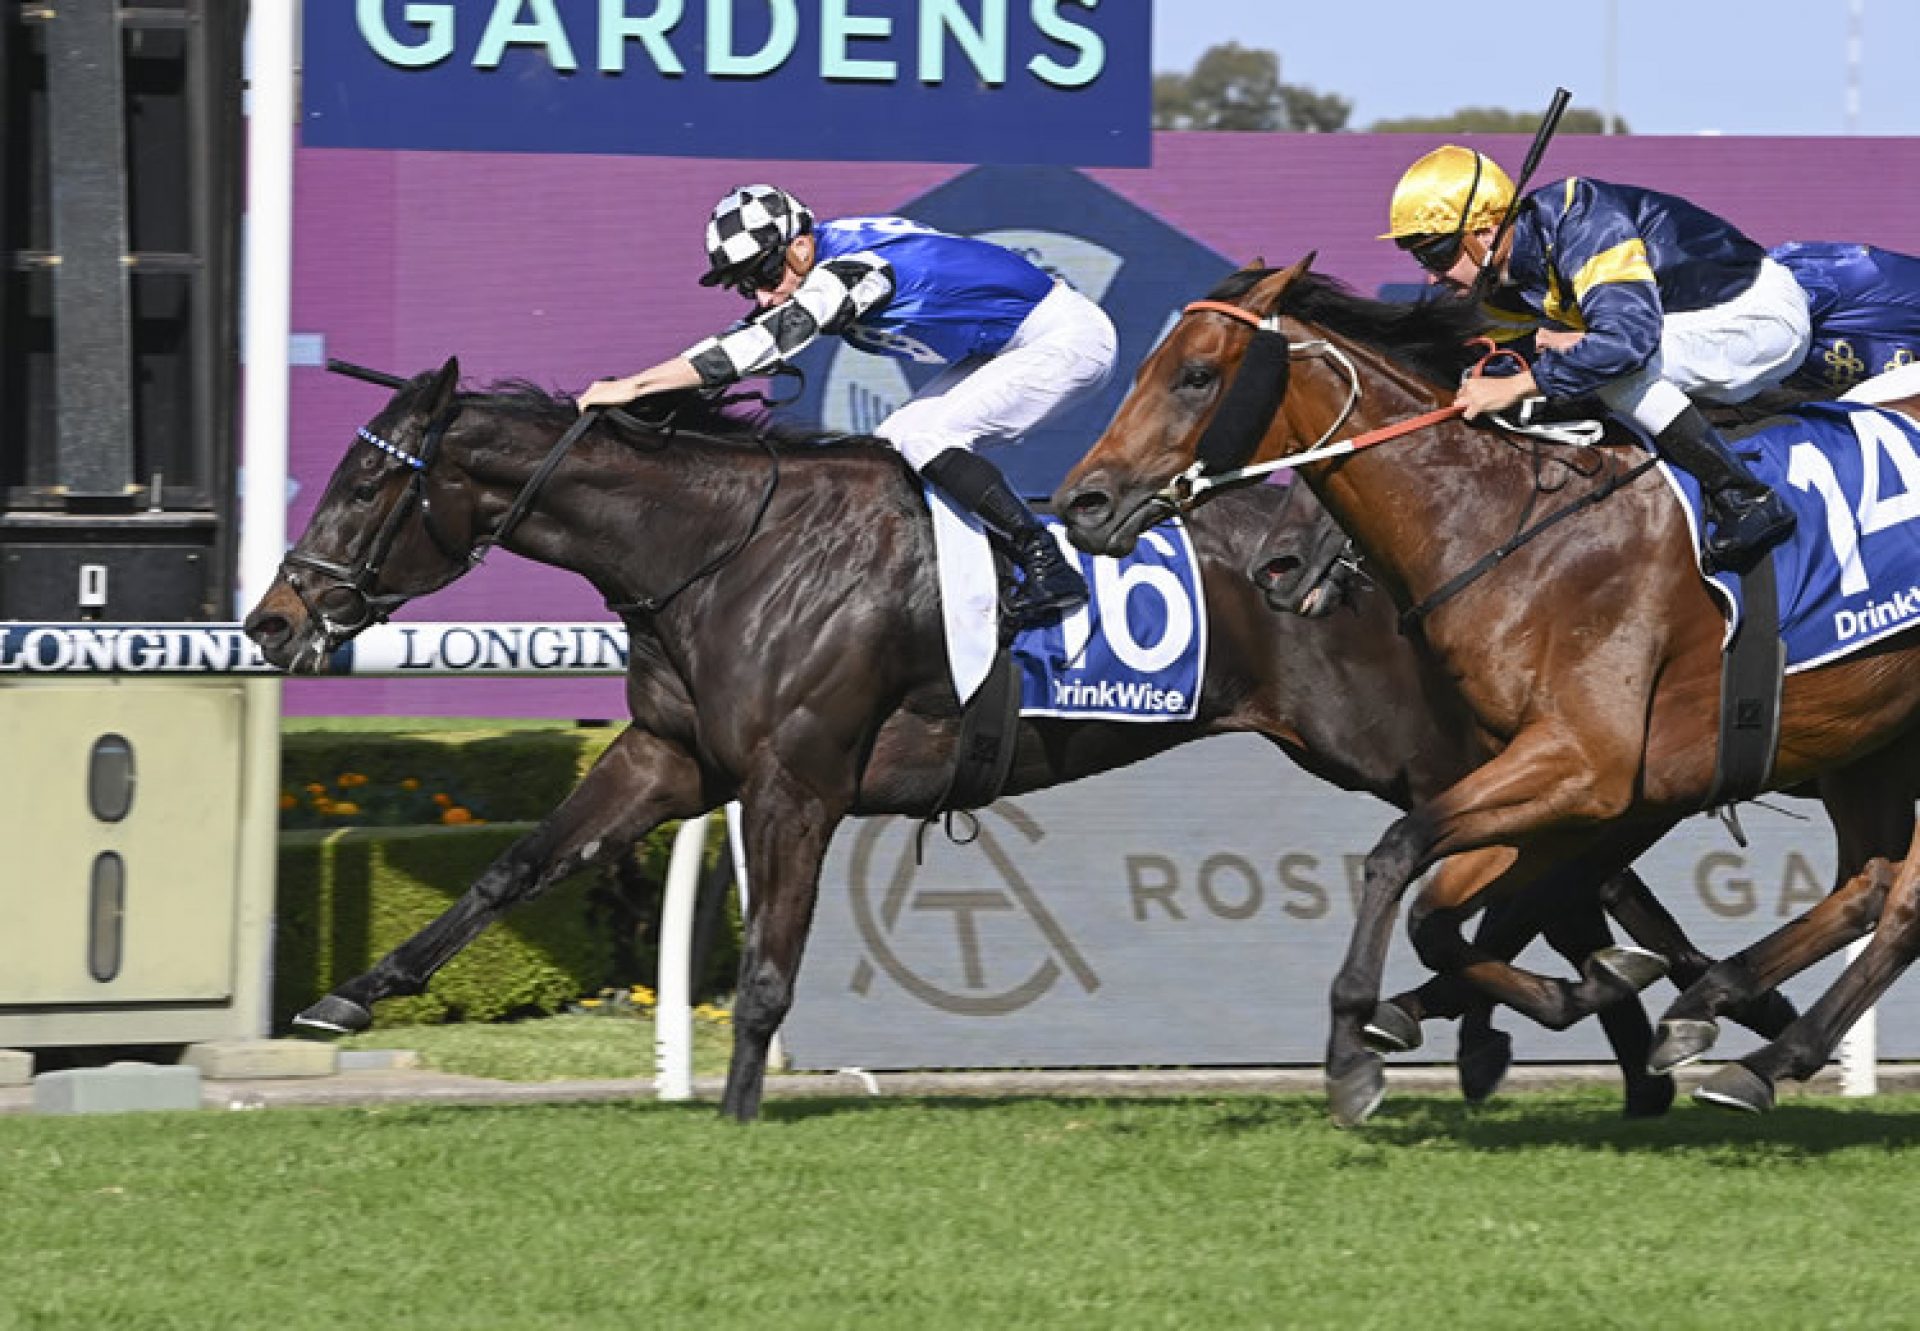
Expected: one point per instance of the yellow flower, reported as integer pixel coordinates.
(589, 1002)
(315, 788)
(344, 809)
(410, 783)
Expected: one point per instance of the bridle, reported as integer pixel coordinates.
(350, 587)
(1225, 443)
(365, 606)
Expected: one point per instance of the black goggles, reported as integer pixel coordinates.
(1436, 254)
(761, 274)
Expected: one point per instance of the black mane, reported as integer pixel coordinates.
(651, 422)
(1428, 336)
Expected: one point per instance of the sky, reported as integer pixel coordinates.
(1680, 66)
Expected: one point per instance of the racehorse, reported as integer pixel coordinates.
(782, 608)
(1590, 656)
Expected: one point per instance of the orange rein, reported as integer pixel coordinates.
(1398, 428)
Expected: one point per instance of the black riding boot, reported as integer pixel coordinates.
(1050, 584)
(1747, 517)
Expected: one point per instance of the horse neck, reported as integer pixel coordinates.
(1419, 506)
(616, 512)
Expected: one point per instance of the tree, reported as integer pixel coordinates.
(1493, 120)
(1234, 87)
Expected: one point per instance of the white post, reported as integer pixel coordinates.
(1860, 1046)
(267, 281)
(673, 999)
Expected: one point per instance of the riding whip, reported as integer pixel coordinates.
(1548, 124)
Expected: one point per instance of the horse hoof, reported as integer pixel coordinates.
(1483, 1066)
(1634, 967)
(332, 1015)
(1651, 1097)
(1679, 1041)
(1354, 1095)
(1392, 1030)
(1736, 1086)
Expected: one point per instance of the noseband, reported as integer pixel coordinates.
(1258, 388)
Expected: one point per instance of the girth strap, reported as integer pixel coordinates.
(1752, 678)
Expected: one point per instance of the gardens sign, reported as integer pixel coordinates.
(1061, 82)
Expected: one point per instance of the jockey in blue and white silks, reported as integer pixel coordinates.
(1654, 302)
(1865, 303)
(1017, 347)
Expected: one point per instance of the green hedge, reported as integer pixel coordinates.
(348, 897)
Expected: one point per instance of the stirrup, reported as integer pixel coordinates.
(1730, 549)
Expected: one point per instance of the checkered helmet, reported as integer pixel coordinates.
(752, 222)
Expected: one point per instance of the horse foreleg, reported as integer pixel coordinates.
(638, 783)
(1804, 1047)
(786, 834)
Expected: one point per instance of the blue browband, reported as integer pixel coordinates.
(392, 450)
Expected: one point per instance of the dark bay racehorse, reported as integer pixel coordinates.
(1590, 657)
(786, 650)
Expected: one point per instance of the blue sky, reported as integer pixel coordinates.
(1682, 66)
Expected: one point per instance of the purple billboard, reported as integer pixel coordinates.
(564, 269)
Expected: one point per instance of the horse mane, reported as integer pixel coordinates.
(671, 415)
(1428, 336)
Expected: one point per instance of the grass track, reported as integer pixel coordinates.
(1542, 1211)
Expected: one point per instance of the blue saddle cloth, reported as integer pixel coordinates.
(1850, 576)
(1136, 651)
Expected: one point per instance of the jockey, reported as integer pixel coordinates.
(1866, 311)
(1018, 347)
(1656, 301)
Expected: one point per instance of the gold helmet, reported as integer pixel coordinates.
(1441, 187)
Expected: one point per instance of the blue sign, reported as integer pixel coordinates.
(1108, 248)
(1030, 81)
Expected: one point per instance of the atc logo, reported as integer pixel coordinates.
(1110, 250)
(975, 951)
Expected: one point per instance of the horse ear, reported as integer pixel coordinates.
(440, 392)
(1267, 294)
(1259, 261)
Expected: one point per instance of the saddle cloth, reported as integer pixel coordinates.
(1850, 575)
(1135, 652)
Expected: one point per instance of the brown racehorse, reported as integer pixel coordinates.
(782, 608)
(1590, 656)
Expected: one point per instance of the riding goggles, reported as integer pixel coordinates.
(1436, 254)
(761, 274)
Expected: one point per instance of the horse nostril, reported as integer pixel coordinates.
(1277, 570)
(1089, 507)
(268, 630)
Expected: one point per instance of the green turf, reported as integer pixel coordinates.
(1543, 1211)
(549, 1049)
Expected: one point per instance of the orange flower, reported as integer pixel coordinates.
(410, 783)
(456, 814)
(288, 800)
(444, 800)
(315, 788)
(344, 809)
(348, 780)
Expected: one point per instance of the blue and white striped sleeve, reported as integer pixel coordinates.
(828, 300)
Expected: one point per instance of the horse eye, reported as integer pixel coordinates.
(366, 490)
(1198, 375)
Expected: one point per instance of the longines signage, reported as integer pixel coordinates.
(1190, 911)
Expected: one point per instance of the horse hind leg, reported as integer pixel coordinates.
(639, 782)
(1804, 1047)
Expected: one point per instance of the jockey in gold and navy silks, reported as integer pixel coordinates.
(1654, 303)
(1865, 304)
(1613, 261)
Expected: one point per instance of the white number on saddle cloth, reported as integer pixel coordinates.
(1112, 584)
(1809, 469)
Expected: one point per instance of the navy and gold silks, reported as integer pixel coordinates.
(1613, 261)
(1865, 304)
